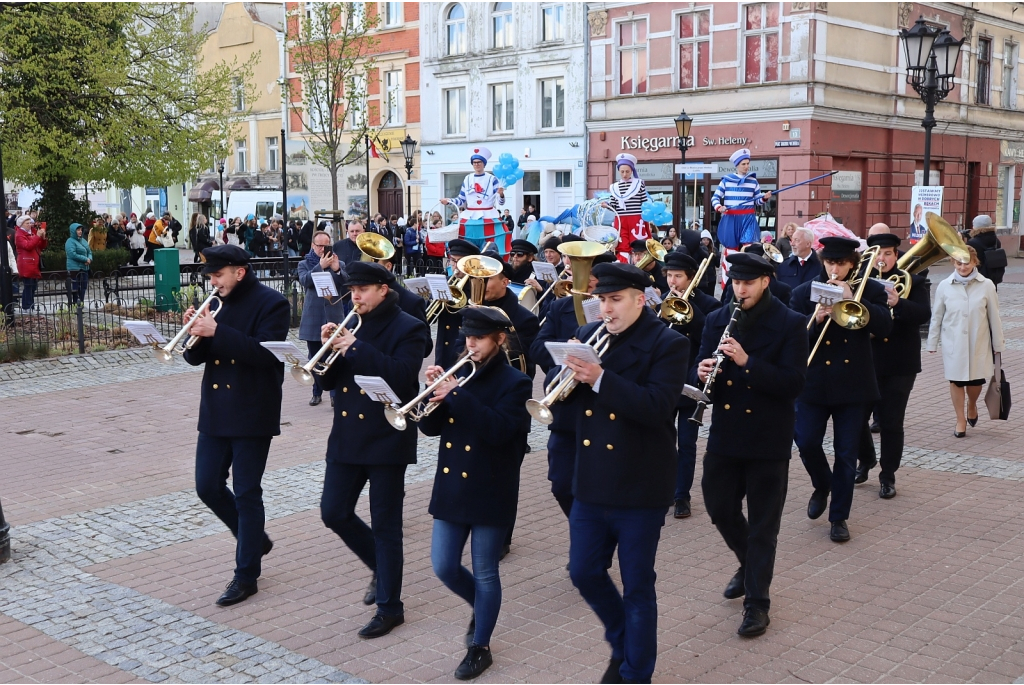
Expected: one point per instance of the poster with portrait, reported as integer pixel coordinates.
(923, 199)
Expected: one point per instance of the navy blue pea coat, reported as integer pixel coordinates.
(792, 274)
(753, 414)
(560, 326)
(525, 322)
(416, 306)
(241, 395)
(626, 433)
(899, 353)
(780, 291)
(843, 371)
(446, 350)
(483, 428)
(389, 344)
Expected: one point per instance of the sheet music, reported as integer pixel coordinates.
(544, 272)
(439, 289)
(324, 283)
(825, 294)
(653, 296)
(286, 352)
(145, 332)
(560, 350)
(377, 388)
(420, 286)
(592, 309)
(885, 283)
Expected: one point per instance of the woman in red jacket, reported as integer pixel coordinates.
(30, 244)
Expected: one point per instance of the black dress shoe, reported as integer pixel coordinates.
(862, 472)
(471, 631)
(505, 549)
(755, 622)
(735, 589)
(887, 491)
(839, 532)
(875, 428)
(682, 510)
(478, 659)
(381, 625)
(611, 674)
(371, 592)
(972, 422)
(268, 545)
(959, 434)
(236, 592)
(816, 506)
(315, 400)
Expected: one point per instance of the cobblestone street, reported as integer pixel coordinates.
(116, 563)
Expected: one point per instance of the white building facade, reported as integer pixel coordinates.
(510, 77)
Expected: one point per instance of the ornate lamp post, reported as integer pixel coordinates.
(408, 149)
(932, 56)
(683, 124)
(220, 170)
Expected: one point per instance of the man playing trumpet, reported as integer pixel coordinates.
(240, 407)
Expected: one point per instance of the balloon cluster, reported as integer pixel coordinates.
(507, 170)
(655, 213)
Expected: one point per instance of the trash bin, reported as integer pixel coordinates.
(167, 272)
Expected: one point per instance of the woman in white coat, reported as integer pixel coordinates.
(965, 317)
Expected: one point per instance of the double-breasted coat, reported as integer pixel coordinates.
(965, 319)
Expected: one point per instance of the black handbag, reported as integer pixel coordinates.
(997, 397)
(995, 258)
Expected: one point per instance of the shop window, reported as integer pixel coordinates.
(502, 108)
(632, 62)
(694, 49)
(983, 89)
(455, 25)
(761, 43)
(1011, 55)
(502, 20)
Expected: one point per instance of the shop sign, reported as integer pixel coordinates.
(846, 185)
(725, 140)
(933, 177)
(763, 168)
(652, 144)
(655, 170)
(1011, 152)
(390, 139)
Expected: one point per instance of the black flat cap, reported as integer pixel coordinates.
(615, 276)
(483, 320)
(836, 248)
(462, 248)
(368, 273)
(884, 240)
(679, 261)
(550, 244)
(572, 238)
(507, 271)
(219, 256)
(526, 246)
(744, 266)
(604, 258)
(638, 246)
(754, 248)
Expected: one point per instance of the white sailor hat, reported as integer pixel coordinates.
(627, 159)
(739, 156)
(481, 153)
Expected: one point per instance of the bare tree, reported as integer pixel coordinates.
(332, 47)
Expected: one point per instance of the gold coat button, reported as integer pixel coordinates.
(344, 413)
(748, 411)
(448, 445)
(360, 416)
(746, 370)
(215, 386)
(885, 340)
(828, 342)
(828, 363)
(846, 361)
(611, 447)
(229, 387)
(451, 420)
(845, 340)
(586, 443)
(216, 362)
(465, 475)
(726, 407)
(344, 389)
(446, 343)
(611, 416)
(468, 448)
(232, 361)
(446, 469)
(728, 382)
(447, 328)
(361, 391)
(589, 413)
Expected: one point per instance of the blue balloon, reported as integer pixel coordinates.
(513, 162)
(504, 157)
(519, 173)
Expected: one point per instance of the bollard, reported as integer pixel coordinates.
(80, 315)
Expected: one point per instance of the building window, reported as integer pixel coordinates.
(553, 19)
(241, 156)
(393, 93)
(456, 28)
(503, 102)
(761, 43)
(552, 103)
(238, 88)
(1011, 55)
(392, 14)
(318, 106)
(502, 23)
(632, 49)
(563, 179)
(1004, 196)
(694, 35)
(984, 87)
(272, 149)
(455, 111)
(357, 102)
(357, 16)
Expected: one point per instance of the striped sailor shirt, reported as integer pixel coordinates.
(629, 195)
(734, 189)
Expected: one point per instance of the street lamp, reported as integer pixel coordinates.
(683, 124)
(408, 149)
(220, 170)
(932, 56)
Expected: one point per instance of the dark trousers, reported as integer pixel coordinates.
(561, 466)
(135, 253)
(481, 588)
(28, 292)
(847, 422)
(313, 347)
(630, 619)
(78, 285)
(764, 482)
(687, 461)
(379, 547)
(242, 510)
(890, 412)
(150, 247)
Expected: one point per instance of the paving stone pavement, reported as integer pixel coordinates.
(116, 563)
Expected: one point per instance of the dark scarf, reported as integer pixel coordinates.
(748, 318)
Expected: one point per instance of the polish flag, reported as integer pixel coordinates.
(373, 151)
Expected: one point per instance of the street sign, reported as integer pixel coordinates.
(416, 182)
(695, 168)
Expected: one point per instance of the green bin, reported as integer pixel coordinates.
(167, 274)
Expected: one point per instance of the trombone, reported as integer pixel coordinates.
(166, 353)
(678, 310)
(399, 417)
(565, 381)
(850, 314)
(304, 374)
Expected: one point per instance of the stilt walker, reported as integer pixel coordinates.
(480, 198)
(736, 199)
(628, 193)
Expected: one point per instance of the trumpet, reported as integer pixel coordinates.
(678, 310)
(398, 416)
(565, 381)
(166, 353)
(304, 374)
(850, 314)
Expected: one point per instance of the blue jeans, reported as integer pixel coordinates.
(847, 420)
(630, 619)
(28, 292)
(242, 510)
(687, 462)
(379, 547)
(481, 588)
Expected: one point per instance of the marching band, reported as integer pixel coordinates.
(625, 390)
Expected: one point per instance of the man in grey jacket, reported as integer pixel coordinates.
(317, 310)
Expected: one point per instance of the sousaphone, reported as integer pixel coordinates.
(941, 241)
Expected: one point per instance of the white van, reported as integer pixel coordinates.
(261, 203)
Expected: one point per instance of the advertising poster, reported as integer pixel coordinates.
(923, 199)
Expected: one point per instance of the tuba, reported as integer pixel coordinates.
(678, 310)
(939, 242)
(655, 253)
(374, 247)
(581, 256)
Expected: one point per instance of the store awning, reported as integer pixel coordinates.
(203, 192)
(239, 184)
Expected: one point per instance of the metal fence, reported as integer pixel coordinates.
(62, 323)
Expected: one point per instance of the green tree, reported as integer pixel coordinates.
(97, 93)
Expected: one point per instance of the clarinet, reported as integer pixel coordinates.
(719, 357)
